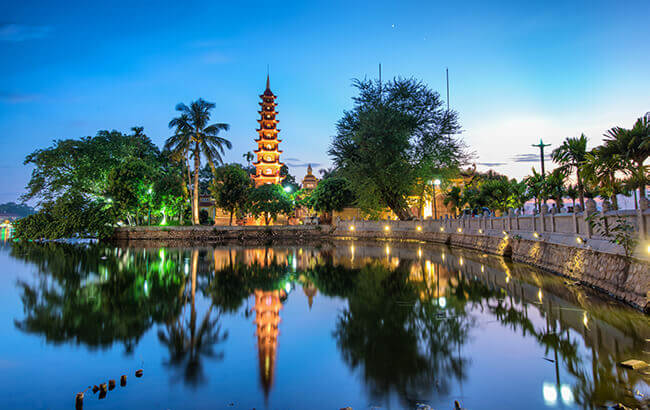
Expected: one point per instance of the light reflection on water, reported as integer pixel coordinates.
(349, 324)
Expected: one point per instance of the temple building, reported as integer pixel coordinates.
(267, 166)
(309, 181)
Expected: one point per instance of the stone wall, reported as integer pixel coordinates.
(594, 261)
(220, 234)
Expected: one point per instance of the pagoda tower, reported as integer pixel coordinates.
(267, 166)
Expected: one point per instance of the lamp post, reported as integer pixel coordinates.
(435, 183)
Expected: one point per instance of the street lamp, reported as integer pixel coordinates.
(435, 183)
(287, 189)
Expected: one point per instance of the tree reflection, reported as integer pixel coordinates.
(187, 344)
(85, 297)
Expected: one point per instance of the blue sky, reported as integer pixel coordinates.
(518, 70)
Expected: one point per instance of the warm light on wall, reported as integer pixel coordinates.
(535, 235)
(386, 228)
(460, 230)
(579, 240)
(418, 228)
(480, 231)
(352, 227)
(442, 229)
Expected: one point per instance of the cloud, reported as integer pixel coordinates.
(491, 164)
(15, 98)
(290, 163)
(214, 57)
(529, 158)
(20, 32)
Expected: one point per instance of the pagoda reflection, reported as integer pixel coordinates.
(267, 318)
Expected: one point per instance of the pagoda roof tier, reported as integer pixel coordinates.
(265, 120)
(268, 140)
(270, 164)
(257, 151)
(268, 112)
(263, 103)
(267, 129)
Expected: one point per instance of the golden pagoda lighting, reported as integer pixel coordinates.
(268, 165)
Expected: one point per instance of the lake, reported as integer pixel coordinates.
(365, 325)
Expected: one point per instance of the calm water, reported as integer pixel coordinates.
(299, 327)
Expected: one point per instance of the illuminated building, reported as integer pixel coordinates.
(309, 181)
(267, 318)
(267, 166)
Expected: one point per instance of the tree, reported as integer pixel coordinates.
(194, 137)
(248, 157)
(554, 186)
(83, 165)
(269, 201)
(535, 184)
(394, 131)
(16, 209)
(570, 155)
(631, 145)
(129, 188)
(230, 188)
(452, 199)
(599, 169)
(332, 194)
(288, 180)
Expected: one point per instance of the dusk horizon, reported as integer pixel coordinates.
(551, 73)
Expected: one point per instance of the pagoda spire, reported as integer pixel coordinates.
(268, 165)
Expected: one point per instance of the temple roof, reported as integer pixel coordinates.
(268, 92)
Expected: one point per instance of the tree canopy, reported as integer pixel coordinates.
(397, 133)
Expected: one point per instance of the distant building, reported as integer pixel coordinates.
(309, 181)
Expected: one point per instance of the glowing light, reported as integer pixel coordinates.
(549, 393)
(585, 320)
(460, 230)
(442, 229)
(461, 261)
(648, 248)
(482, 268)
(540, 295)
(443, 257)
(418, 228)
(287, 287)
(480, 231)
(505, 233)
(419, 252)
(436, 182)
(287, 189)
(386, 228)
(149, 191)
(442, 302)
(387, 250)
(352, 227)
(535, 235)
(566, 394)
(146, 288)
(507, 278)
(187, 268)
(579, 240)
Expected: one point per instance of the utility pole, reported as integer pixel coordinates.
(541, 146)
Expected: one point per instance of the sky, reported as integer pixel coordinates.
(518, 71)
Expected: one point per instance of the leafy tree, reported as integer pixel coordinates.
(394, 131)
(631, 145)
(195, 137)
(453, 199)
(129, 189)
(230, 188)
(571, 155)
(82, 165)
(332, 194)
(248, 157)
(289, 180)
(69, 215)
(269, 201)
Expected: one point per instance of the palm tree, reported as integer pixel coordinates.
(599, 170)
(570, 155)
(248, 157)
(535, 183)
(572, 192)
(194, 137)
(632, 145)
(554, 186)
(452, 199)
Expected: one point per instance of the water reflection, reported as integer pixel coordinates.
(409, 315)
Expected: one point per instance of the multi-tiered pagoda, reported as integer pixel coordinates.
(267, 166)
